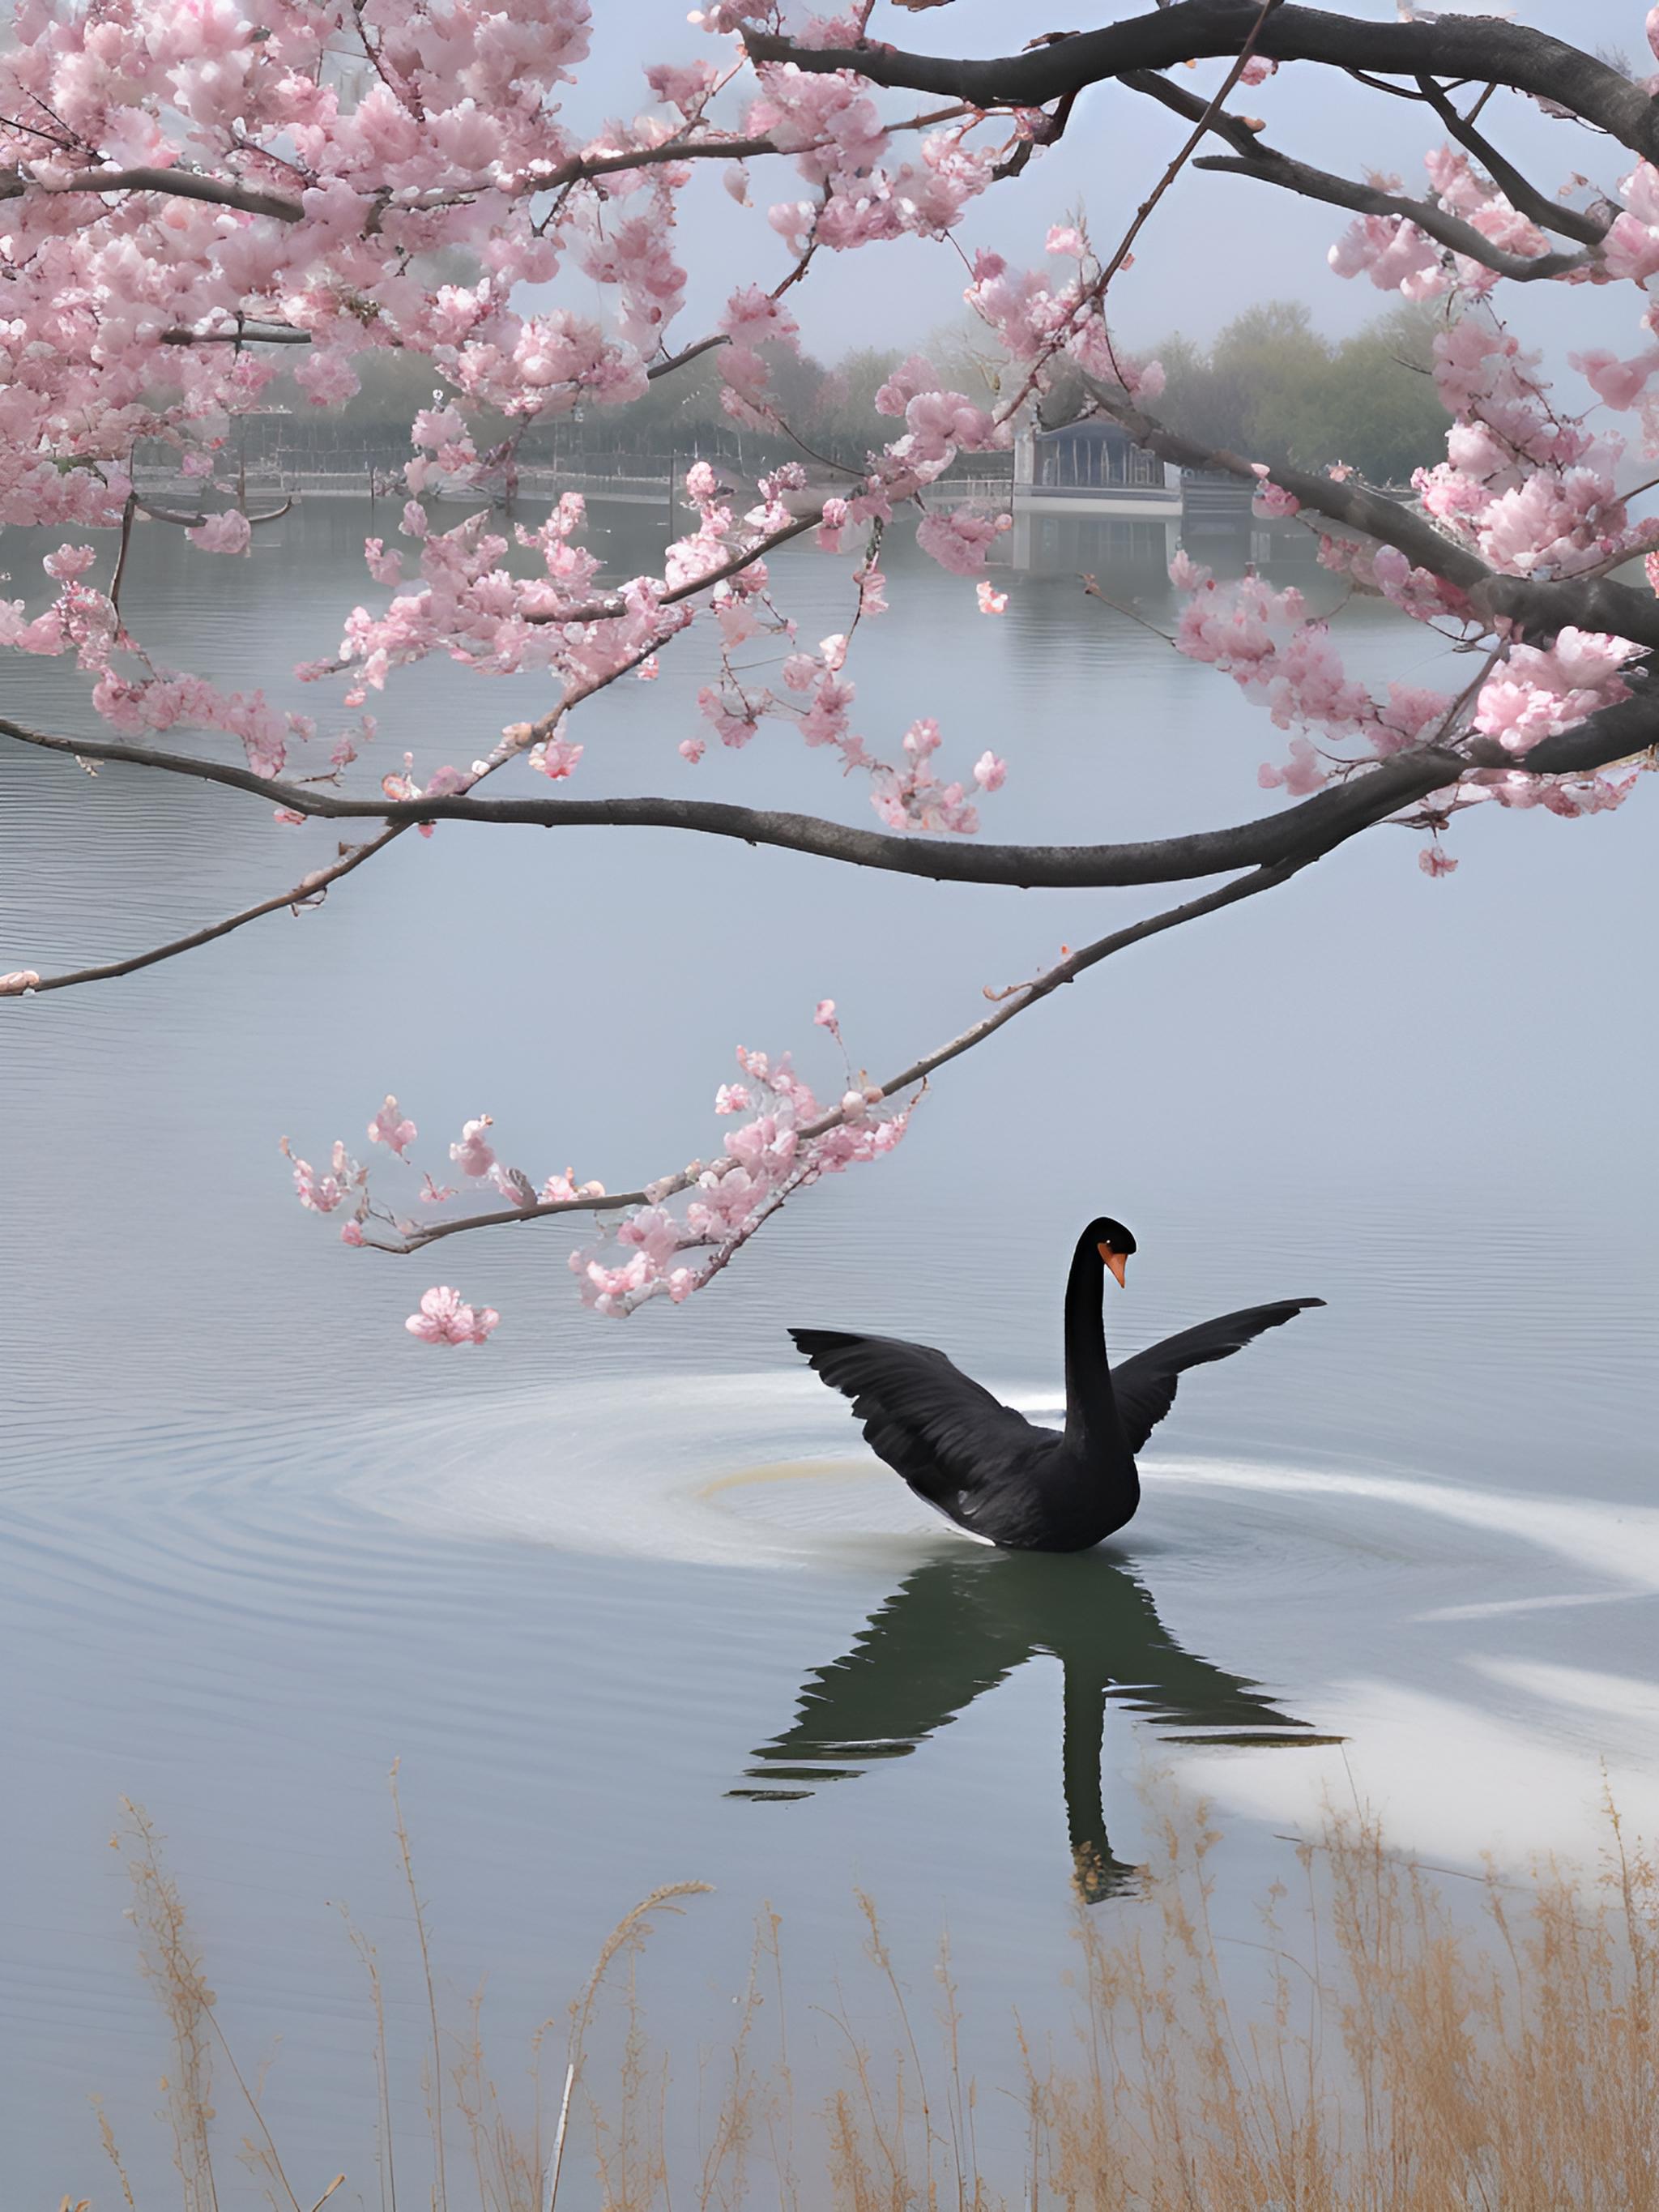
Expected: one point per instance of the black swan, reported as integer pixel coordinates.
(990, 1469)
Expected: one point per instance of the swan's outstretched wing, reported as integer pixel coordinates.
(943, 1432)
(1145, 1387)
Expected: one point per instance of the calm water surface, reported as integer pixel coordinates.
(628, 1602)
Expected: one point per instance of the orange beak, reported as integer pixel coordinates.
(1116, 1261)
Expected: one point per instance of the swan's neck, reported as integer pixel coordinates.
(1090, 1409)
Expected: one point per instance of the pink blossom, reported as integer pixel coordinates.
(228, 532)
(1271, 499)
(391, 1127)
(1620, 384)
(989, 773)
(443, 1319)
(69, 562)
(826, 1015)
(959, 539)
(556, 757)
(1434, 862)
(992, 602)
(472, 1154)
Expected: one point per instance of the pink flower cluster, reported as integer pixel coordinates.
(1264, 640)
(690, 1224)
(443, 1319)
(908, 797)
(787, 1143)
(1398, 257)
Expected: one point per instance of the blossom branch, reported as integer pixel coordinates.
(1253, 157)
(607, 608)
(1550, 214)
(1594, 602)
(1450, 230)
(1025, 995)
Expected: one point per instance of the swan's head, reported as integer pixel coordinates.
(1113, 1242)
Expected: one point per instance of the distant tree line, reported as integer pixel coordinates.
(1272, 388)
(1269, 387)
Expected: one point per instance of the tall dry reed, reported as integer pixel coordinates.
(1382, 2047)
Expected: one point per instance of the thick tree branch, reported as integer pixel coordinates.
(1615, 734)
(254, 334)
(195, 521)
(1540, 606)
(1484, 48)
(1313, 826)
(178, 184)
(1328, 818)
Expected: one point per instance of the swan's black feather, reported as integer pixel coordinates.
(1145, 1387)
(937, 1427)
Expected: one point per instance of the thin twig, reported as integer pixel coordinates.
(302, 894)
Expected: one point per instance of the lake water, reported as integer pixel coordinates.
(628, 1600)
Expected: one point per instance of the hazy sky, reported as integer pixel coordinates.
(1215, 245)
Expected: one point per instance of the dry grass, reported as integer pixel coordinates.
(1382, 2047)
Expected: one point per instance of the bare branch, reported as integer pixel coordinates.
(309, 889)
(1484, 48)
(1201, 123)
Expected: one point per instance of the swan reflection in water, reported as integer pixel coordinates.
(956, 1626)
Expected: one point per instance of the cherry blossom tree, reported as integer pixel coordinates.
(195, 191)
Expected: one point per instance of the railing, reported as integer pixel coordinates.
(361, 477)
